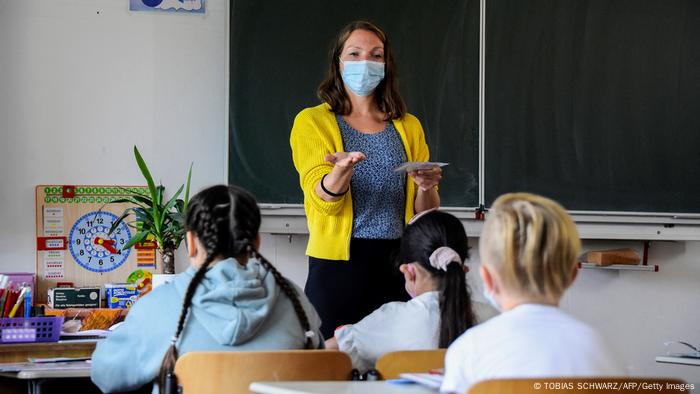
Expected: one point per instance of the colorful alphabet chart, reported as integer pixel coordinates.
(74, 242)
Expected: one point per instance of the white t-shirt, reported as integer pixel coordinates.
(529, 341)
(395, 326)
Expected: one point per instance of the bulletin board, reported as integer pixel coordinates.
(73, 240)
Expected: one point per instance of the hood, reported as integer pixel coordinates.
(232, 301)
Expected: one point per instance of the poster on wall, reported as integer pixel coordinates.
(188, 6)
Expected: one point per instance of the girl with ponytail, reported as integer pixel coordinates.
(230, 299)
(433, 250)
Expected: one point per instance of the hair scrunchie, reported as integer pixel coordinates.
(443, 256)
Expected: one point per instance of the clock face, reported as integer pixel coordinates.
(91, 245)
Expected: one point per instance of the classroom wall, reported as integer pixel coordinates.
(636, 311)
(82, 81)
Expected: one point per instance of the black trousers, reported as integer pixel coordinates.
(344, 292)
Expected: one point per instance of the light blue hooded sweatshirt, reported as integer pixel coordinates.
(234, 308)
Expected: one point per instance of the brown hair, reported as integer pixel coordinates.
(532, 243)
(386, 95)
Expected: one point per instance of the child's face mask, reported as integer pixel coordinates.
(491, 300)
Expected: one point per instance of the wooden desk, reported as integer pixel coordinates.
(33, 381)
(345, 387)
(17, 353)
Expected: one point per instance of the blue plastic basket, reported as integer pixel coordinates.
(30, 329)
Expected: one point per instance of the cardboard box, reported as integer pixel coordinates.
(74, 297)
(121, 295)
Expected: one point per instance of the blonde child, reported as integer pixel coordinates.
(528, 250)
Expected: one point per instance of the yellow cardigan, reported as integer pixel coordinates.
(314, 135)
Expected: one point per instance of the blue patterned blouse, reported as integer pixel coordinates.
(378, 193)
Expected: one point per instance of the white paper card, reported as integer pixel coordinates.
(410, 166)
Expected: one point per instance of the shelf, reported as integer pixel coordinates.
(678, 360)
(620, 267)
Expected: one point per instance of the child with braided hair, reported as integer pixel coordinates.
(230, 299)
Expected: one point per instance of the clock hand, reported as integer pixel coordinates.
(105, 243)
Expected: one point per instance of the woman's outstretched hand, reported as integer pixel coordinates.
(426, 179)
(345, 159)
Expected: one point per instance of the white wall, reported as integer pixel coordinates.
(82, 81)
(636, 311)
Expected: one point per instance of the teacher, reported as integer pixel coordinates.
(346, 150)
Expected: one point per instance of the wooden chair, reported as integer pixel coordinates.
(390, 365)
(232, 372)
(594, 385)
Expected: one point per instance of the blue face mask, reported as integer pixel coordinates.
(489, 297)
(363, 76)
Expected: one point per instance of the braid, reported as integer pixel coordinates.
(289, 290)
(226, 220)
(210, 239)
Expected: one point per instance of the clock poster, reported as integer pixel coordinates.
(74, 243)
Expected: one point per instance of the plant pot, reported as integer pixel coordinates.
(161, 279)
(167, 257)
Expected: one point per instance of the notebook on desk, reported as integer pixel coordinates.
(431, 380)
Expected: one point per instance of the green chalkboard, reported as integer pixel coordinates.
(278, 57)
(594, 103)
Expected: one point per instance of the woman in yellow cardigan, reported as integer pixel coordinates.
(356, 206)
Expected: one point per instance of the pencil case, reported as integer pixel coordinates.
(30, 329)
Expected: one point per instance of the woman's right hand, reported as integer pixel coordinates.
(338, 180)
(345, 160)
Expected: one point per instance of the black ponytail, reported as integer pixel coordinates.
(420, 239)
(226, 220)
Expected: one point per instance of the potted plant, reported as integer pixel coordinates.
(162, 220)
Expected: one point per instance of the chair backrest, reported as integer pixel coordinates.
(593, 385)
(390, 365)
(232, 372)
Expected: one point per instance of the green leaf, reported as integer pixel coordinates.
(146, 173)
(135, 239)
(142, 199)
(145, 217)
(123, 200)
(149, 180)
(130, 200)
(187, 189)
(160, 192)
(180, 207)
(178, 218)
(118, 221)
(172, 201)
